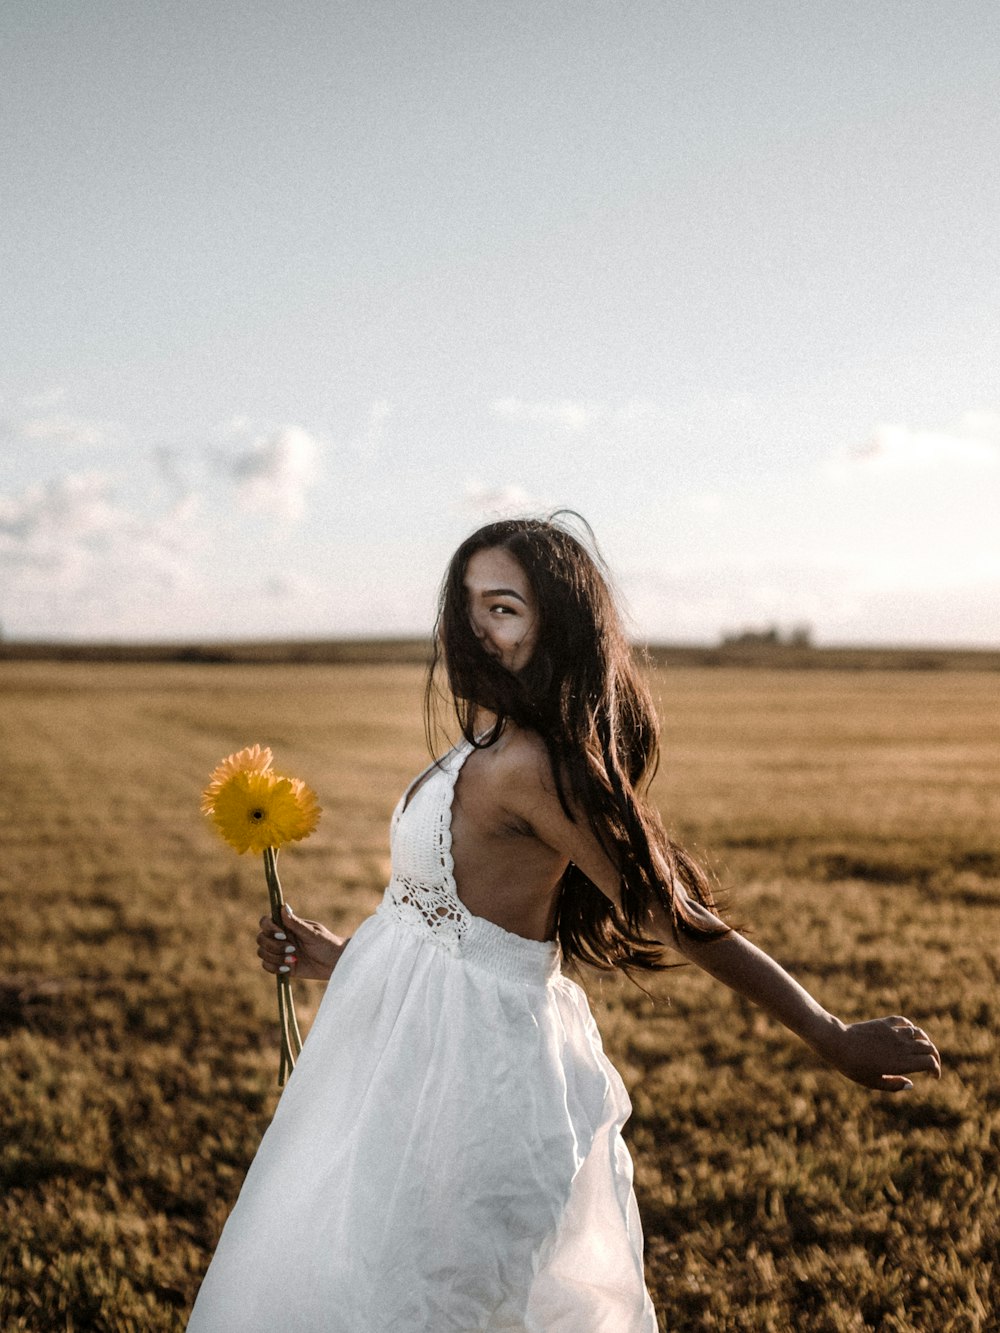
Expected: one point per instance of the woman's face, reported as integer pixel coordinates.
(502, 607)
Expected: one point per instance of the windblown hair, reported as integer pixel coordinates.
(584, 694)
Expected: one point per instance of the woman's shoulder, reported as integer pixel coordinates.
(524, 764)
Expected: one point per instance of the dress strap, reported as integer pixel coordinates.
(461, 751)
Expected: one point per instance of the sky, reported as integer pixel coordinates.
(295, 296)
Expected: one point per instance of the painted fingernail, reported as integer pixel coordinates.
(288, 909)
(280, 935)
(289, 948)
(283, 968)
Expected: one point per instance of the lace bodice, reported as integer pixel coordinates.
(422, 895)
(422, 889)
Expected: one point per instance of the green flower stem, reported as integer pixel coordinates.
(293, 1024)
(283, 1029)
(291, 1040)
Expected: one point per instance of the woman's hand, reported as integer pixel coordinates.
(881, 1052)
(304, 948)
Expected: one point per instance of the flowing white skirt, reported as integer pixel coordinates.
(445, 1158)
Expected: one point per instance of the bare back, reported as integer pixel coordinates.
(503, 871)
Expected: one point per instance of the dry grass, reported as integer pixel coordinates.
(854, 818)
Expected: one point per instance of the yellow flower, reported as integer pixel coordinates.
(251, 760)
(258, 810)
(254, 808)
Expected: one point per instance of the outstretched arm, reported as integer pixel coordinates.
(878, 1053)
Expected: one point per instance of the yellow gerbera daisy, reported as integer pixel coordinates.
(254, 809)
(258, 810)
(253, 759)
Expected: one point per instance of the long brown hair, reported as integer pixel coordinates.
(584, 694)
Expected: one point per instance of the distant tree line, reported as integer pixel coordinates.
(798, 636)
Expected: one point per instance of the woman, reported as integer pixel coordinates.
(447, 1155)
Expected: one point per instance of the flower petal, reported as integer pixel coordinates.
(254, 808)
(252, 759)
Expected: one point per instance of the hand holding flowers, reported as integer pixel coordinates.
(314, 949)
(256, 809)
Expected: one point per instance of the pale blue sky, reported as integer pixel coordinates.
(294, 295)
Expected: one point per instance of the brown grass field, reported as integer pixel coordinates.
(853, 819)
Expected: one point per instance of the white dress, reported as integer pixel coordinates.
(446, 1156)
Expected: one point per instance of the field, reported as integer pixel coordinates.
(853, 819)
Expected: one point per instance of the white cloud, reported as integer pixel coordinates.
(73, 560)
(973, 444)
(60, 428)
(276, 471)
(68, 509)
(234, 427)
(55, 525)
(708, 503)
(635, 416)
(499, 501)
(639, 413)
(916, 575)
(985, 424)
(916, 601)
(284, 588)
(170, 465)
(184, 509)
(698, 601)
(857, 593)
(44, 401)
(564, 414)
(368, 441)
(79, 561)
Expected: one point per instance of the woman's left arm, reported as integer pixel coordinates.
(878, 1053)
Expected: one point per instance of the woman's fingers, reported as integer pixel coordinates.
(915, 1040)
(279, 963)
(893, 1083)
(268, 946)
(272, 949)
(275, 949)
(935, 1058)
(927, 1057)
(267, 927)
(927, 1062)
